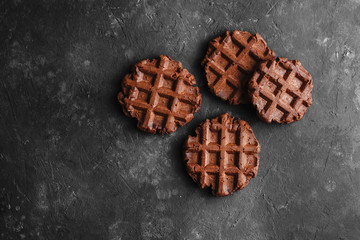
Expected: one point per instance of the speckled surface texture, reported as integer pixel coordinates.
(74, 167)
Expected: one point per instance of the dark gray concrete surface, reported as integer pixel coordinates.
(74, 167)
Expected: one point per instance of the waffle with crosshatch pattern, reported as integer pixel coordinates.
(230, 62)
(281, 90)
(222, 155)
(160, 94)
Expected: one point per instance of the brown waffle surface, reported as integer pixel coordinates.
(222, 155)
(281, 90)
(160, 94)
(230, 62)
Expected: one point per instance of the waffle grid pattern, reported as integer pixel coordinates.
(230, 62)
(223, 155)
(281, 90)
(161, 97)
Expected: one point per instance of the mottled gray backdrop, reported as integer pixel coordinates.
(74, 167)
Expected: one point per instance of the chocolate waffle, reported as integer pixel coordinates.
(160, 94)
(222, 155)
(230, 62)
(281, 90)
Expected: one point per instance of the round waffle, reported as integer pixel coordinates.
(222, 155)
(160, 95)
(281, 90)
(230, 62)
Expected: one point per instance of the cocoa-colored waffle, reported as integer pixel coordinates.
(230, 62)
(222, 155)
(281, 90)
(160, 94)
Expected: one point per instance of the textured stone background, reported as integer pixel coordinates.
(74, 167)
